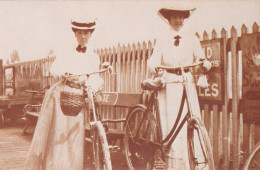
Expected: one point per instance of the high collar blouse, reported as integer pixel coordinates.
(166, 53)
(71, 61)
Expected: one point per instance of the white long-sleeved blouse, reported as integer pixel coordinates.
(166, 53)
(73, 62)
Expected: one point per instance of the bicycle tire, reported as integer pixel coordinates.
(204, 150)
(138, 155)
(253, 161)
(100, 148)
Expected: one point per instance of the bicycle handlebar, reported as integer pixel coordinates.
(68, 76)
(187, 66)
(100, 71)
(35, 91)
(40, 92)
(91, 73)
(214, 63)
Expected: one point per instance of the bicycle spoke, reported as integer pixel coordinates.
(192, 145)
(131, 133)
(140, 147)
(253, 160)
(199, 148)
(256, 163)
(100, 147)
(200, 162)
(202, 146)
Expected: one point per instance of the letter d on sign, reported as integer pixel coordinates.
(209, 52)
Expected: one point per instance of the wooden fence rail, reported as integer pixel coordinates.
(230, 136)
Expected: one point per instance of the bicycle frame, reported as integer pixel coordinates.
(169, 139)
(145, 144)
(90, 91)
(98, 137)
(97, 130)
(95, 117)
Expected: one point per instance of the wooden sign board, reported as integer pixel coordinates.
(250, 46)
(121, 99)
(214, 52)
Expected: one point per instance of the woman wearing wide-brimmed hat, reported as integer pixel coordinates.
(176, 47)
(59, 139)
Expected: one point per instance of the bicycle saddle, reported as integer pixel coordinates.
(153, 84)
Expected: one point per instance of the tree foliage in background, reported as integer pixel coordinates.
(14, 56)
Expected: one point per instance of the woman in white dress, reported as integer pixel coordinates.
(174, 48)
(58, 140)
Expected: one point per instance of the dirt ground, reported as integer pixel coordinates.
(14, 148)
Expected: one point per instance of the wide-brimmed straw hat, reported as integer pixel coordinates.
(183, 9)
(80, 24)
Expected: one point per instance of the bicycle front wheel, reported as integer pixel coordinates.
(199, 147)
(253, 161)
(139, 148)
(100, 148)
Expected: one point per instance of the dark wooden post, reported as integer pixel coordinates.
(216, 119)
(246, 133)
(252, 133)
(225, 112)
(235, 98)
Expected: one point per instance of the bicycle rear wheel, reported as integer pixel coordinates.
(253, 161)
(100, 148)
(199, 147)
(140, 148)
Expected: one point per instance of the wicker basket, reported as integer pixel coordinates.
(71, 101)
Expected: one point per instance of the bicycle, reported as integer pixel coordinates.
(144, 146)
(253, 161)
(98, 135)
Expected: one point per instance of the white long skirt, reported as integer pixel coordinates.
(169, 105)
(58, 139)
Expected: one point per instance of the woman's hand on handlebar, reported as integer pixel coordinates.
(159, 72)
(207, 64)
(67, 77)
(96, 94)
(210, 64)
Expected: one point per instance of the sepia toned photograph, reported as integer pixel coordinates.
(130, 85)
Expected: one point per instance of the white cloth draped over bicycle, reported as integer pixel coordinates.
(58, 139)
(166, 53)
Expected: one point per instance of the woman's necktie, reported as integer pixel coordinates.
(177, 40)
(81, 50)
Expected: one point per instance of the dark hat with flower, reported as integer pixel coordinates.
(176, 9)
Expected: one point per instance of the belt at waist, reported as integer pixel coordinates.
(178, 71)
